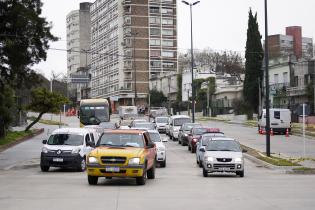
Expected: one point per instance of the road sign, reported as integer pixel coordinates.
(79, 78)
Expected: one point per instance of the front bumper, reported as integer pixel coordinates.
(124, 171)
(62, 160)
(175, 134)
(223, 167)
(161, 129)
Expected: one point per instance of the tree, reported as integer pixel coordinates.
(24, 37)
(6, 104)
(157, 98)
(254, 56)
(201, 94)
(44, 101)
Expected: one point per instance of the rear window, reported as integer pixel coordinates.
(277, 115)
(181, 121)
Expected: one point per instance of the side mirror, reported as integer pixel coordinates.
(202, 150)
(244, 150)
(151, 145)
(44, 141)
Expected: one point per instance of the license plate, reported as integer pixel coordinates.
(112, 169)
(225, 169)
(58, 159)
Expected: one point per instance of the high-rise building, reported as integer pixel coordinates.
(78, 48)
(131, 41)
(291, 44)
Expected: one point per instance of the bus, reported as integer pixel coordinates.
(93, 111)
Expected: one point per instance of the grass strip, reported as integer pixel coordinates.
(13, 136)
(47, 122)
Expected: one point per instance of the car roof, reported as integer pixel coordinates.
(179, 116)
(81, 131)
(125, 131)
(222, 138)
(140, 120)
(153, 131)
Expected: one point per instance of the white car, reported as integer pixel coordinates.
(175, 123)
(223, 155)
(161, 123)
(202, 143)
(160, 147)
(67, 148)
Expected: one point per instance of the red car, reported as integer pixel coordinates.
(195, 135)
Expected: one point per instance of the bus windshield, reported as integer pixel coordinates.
(93, 115)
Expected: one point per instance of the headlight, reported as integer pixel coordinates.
(93, 160)
(134, 161)
(209, 159)
(75, 150)
(45, 150)
(238, 160)
(185, 134)
(195, 140)
(161, 149)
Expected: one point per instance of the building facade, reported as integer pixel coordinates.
(78, 48)
(131, 42)
(167, 84)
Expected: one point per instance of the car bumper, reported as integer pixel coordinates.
(160, 156)
(223, 167)
(175, 135)
(124, 171)
(161, 129)
(63, 161)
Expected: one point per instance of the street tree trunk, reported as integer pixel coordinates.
(35, 121)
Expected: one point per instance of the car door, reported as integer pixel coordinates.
(150, 152)
(87, 148)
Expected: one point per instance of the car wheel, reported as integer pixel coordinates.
(171, 137)
(142, 180)
(151, 172)
(82, 165)
(204, 172)
(241, 173)
(163, 164)
(189, 148)
(44, 168)
(179, 142)
(92, 180)
(200, 164)
(193, 150)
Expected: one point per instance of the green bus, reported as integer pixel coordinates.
(93, 111)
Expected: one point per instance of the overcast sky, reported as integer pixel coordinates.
(217, 24)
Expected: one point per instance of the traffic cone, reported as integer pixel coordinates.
(259, 130)
(263, 131)
(287, 133)
(271, 132)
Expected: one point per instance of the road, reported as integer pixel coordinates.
(178, 186)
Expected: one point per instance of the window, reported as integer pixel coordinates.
(285, 77)
(167, 32)
(168, 65)
(155, 63)
(155, 20)
(155, 31)
(128, 20)
(276, 115)
(167, 21)
(169, 54)
(155, 42)
(155, 53)
(168, 43)
(276, 78)
(167, 11)
(154, 10)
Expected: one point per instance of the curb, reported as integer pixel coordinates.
(18, 141)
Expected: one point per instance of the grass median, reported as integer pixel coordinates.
(47, 122)
(13, 136)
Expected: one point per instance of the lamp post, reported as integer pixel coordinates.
(192, 60)
(267, 83)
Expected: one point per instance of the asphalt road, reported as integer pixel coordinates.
(178, 186)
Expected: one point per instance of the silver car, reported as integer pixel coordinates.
(223, 155)
(202, 143)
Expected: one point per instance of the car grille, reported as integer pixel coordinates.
(110, 172)
(113, 160)
(218, 166)
(225, 160)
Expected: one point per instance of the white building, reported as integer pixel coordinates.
(167, 84)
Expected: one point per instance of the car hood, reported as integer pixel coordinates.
(224, 154)
(159, 144)
(118, 151)
(62, 147)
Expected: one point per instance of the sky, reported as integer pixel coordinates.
(217, 24)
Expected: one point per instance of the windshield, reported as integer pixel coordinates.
(161, 119)
(181, 121)
(107, 125)
(189, 126)
(155, 137)
(93, 115)
(150, 126)
(199, 131)
(65, 139)
(121, 140)
(223, 145)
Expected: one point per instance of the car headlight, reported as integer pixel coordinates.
(45, 150)
(238, 160)
(209, 159)
(185, 134)
(93, 160)
(134, 161)
(161, 149)
(75, 150)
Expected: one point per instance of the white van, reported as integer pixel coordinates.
(67, 148)
(127, 112)
(280, 120)
(175, 122)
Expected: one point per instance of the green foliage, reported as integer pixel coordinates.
(6, 105)
(157, 98)
(13, 136)
(241, 107)
(201, 94)
(179, 88)
(254, 57)
(310, 95)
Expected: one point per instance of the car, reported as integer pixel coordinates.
(175, 123)
(161, 123)
(184, 132)
(133, 122)
(202, 143)
(67, 148)
(122, 153)
(223, 154)
(108, 125)
(160, 147)
(195, 135)
(148, 125)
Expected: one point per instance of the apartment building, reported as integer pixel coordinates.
(131, 41)
(78, 49)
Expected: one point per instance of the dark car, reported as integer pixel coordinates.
(195, 135)
(184, 132)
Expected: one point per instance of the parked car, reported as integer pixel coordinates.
(122, 153)
(67, 148)
(184, 132)
(202, 143)
(148, 125)
(160, 147)
(223, 155)
(195, 135)
(175, 123)
(161, 123)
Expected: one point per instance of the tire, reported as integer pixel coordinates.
(240, 173)
(92, 180)
(108, 177)
(200, 164)
(171, 137)
(82, 165)
(189, 148)
(193, 150)
(151, 172)
(179, 142)
(44, 168)
(163, 164)
(204, 172)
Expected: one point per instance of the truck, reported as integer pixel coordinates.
(280, 120)
(127, 112)
(157, 112)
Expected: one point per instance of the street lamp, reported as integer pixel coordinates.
(267, 83)
(192, 60)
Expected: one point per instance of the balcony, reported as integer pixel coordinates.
(296, 91)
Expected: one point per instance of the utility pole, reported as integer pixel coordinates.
(208, 98)
(169, 94)
(188, 102)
